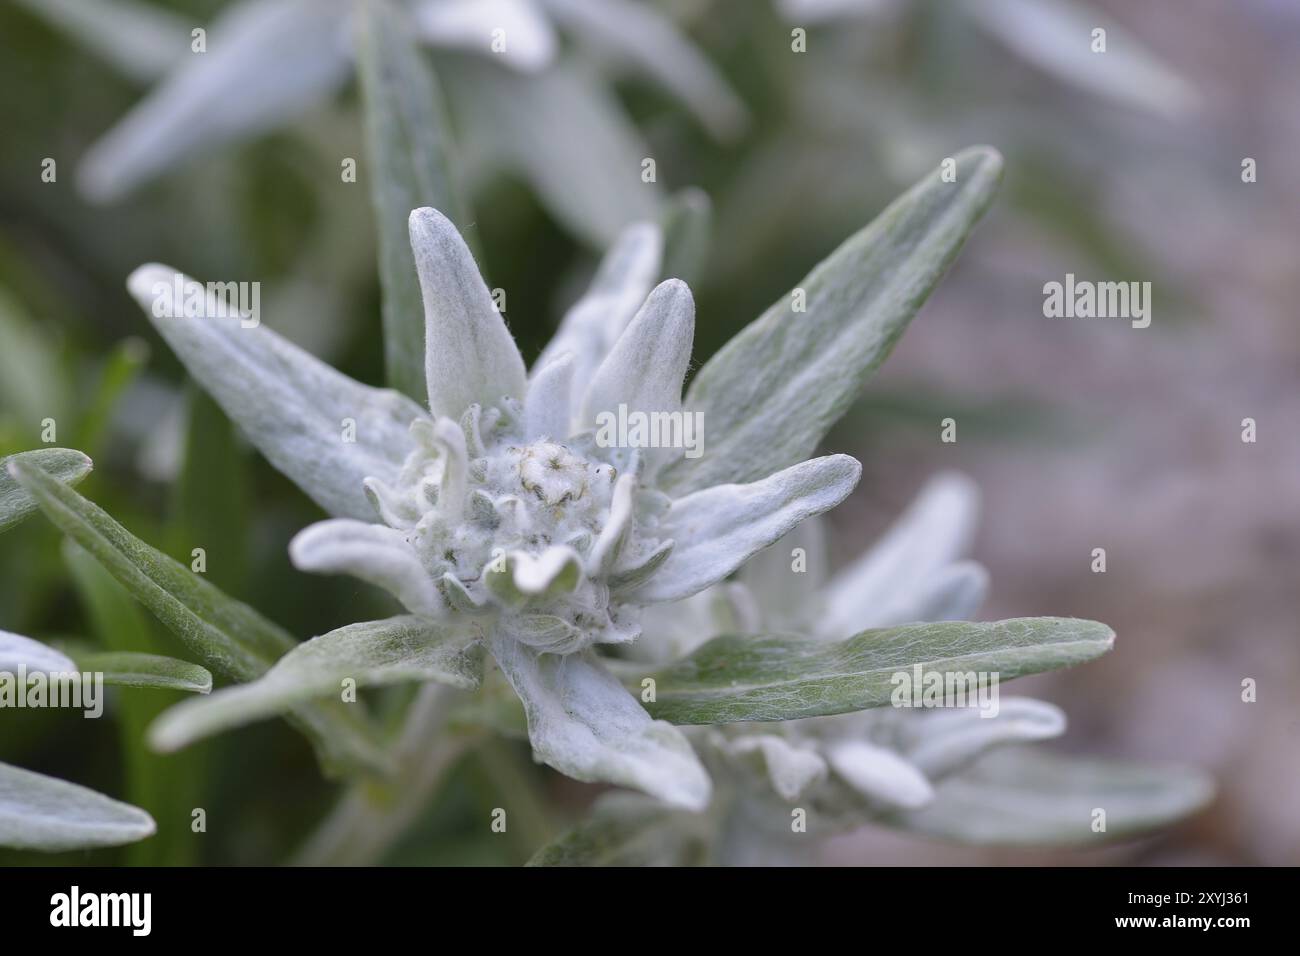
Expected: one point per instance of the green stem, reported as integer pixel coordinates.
(373, 814)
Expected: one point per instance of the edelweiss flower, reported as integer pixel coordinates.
(496, 512)
(854, 766)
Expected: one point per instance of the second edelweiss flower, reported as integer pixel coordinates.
(497, 511)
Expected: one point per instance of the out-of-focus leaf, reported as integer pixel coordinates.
(625, 830)
(226, 634)
(17, 651)
(212, 493)
(687, 224)
(639, 35)
(140, 40)
(527, 41)
(1057, 36)
(857, 303)
(265, 60)
(119, 370)
(755, 677)
(565, 135)
(407, 141)
(168, 788)
(1027, 797)
(33, 384)
(371, 654)
(41, 813)
(63, 464)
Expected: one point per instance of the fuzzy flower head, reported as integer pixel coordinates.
(506, 509)
(512, 505)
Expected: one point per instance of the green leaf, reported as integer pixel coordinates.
(371, 654)
(34, 384)
(134, 669)
(139, 40)
(117, 372)
(687, 225)
(211, 505)
(41, 813)
(858, 302)
(626, 830)
(407, 140)
(1023, 796)
(167, 788)
(226, 634)
(755, 677)
(63, 464)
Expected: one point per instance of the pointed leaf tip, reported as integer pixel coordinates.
(470, 356)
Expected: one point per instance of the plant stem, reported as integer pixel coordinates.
(373, 814)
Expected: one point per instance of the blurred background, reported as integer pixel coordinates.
(1082, 433)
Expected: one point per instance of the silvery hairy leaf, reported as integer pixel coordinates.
(856, 303)
(408, 142)
(134, 669)
(582, 722)
(226, 634)
(292, 406)
(372, 654)
(1023, 796)
(63, 464)
(755, 677)
(41, 813)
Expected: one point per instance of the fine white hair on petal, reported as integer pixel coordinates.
(718, 529)
(606, 550)
(538, 574)
(879, 774)
(585, 724)
(547, 405)
(624, 278)
(470, 356)
(645, 369)
(290, 404)
(382, 556)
